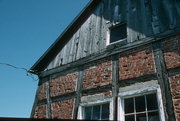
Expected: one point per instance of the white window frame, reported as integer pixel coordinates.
(93, 103)
(108, 36)
(139, 92)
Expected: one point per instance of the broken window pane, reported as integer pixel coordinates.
(129, 105)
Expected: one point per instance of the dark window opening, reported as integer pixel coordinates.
(97, 112)
(118, 32)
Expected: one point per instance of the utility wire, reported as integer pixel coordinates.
(20, 68)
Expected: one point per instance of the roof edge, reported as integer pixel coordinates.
(79, 19)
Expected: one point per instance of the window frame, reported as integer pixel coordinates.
(109, 34)
(140, 92)
(93, 103)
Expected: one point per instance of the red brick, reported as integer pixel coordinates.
(172, 52)
(175, 91)
(63, 84)
(97, 74)
(136, 62)
(42, 92)
(40, 112)
(62, 109)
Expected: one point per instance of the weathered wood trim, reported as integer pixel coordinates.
(42, 102)
(48, 99)
(115, 87)
(173, 71)
(163, 81)
(35, 103)
(65, 36)
(63, 97)
(78, 93)
(86, 92)
(109, 51)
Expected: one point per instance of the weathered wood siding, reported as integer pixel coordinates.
(144, 18)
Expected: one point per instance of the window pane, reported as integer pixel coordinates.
(117, 33)
(96, 112)
(105, 111)
(130, 118)
(141, 117)
(129, 105)
(151, 102)
(87, 113)
(140, 103)
(153, 116)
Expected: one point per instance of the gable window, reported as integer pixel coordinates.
(118, 33)
(141, 105)
(97, 112)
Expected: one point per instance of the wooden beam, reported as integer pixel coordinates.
(115, 87)
(48, 99)
(163, 81)
(78, 93)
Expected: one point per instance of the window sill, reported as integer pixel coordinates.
(117, 43)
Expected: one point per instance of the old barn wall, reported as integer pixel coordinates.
(143, 17)
(87, 76)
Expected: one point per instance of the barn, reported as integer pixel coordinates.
(117, 60)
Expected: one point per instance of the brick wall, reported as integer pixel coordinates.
(172, 51)
(97, 74)
(175, 91)
(136, 62)
(63, 84)
(62, 109)
(42, 91)
(40, 111)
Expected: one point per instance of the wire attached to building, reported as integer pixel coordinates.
(20, 68)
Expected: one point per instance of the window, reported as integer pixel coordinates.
(97, 112)
(118, 33)
(141, 108)
(143, 104)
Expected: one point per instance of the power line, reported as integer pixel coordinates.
(20, 68)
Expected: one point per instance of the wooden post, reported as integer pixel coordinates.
(78, 93)
(163, 81)
(115, 87)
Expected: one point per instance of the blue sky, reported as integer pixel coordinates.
(27, 29)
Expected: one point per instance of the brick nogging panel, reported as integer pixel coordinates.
(62, 109)
(42, 91)
(175, 91)
(40, 112)
(136, 62)
(63, 84)
(97, 74)
(172, 51)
